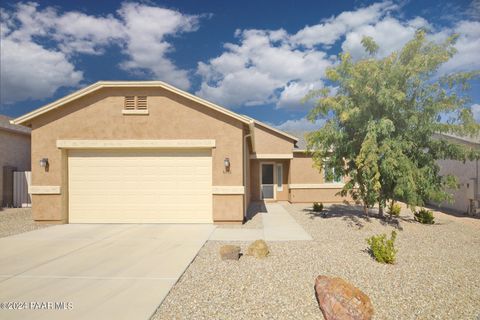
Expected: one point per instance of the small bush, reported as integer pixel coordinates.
(317, 207)
(424, 216)
(394, 210)
(383, 249)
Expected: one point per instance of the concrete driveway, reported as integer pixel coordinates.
(94, 271)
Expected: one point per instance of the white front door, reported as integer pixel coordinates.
(267, 182)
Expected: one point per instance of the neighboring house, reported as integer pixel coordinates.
(14, 156)
(149, 152)
(466, 199)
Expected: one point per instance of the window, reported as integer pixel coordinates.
(279, 177)
(135, 105)
(330, 176)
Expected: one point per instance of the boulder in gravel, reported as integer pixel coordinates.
(230, 252)
(340, 300)
(258, 249)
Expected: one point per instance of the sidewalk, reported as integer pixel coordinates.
(278, 225)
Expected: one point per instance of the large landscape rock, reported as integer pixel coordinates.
(229, 252)
(340, 300)
(258, 249)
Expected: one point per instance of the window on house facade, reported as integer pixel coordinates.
(279, 177)
(330, 176)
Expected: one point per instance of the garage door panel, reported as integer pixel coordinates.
(145, 186)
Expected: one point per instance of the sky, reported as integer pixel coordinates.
(257, 58)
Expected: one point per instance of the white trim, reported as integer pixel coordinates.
(44, 190)
(279, 165)
(316, 185)
(113, 144)
(275, 130)
(124, 84)
(228, 190)
(134, 112)
(153, 220)
(271, 156)
(300, 150)
(143, 84)
(274, 180)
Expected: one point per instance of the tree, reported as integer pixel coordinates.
(381, 121)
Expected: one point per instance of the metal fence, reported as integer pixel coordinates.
(21, 184)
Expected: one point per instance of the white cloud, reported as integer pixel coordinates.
(293, 93)
(80, 33)
(146, 28)
(30, 71)
(265, 67)
(390, 34)
(329, 32)
(301, 125)
(468, 47)
(476, 111)
(47, 41)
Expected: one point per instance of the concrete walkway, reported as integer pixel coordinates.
(278, 225)
(105, 271)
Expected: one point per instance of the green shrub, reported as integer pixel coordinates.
(394, 210)
(424, 216)
(317, 207)
(383, 249)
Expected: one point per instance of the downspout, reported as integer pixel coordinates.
(245, 159)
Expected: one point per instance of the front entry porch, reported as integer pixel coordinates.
(269, 179)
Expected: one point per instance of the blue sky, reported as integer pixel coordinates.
(255, 57)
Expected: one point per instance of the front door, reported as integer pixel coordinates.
(267, 184)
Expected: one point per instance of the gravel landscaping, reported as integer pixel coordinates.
(436, 275)
(17, 220)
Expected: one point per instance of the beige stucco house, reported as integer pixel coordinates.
(14, 156)
(465, 199)
(148, 152)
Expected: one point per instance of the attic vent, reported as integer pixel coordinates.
(135, 105)
(129, 103)
(141, 103)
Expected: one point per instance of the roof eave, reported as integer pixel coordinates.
(121, 84)
(23, 120)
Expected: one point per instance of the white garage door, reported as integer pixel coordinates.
(140, 186)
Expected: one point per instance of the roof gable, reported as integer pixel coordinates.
(22, 120)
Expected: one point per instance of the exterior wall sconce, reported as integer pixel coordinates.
(226, 164)
(44, 162)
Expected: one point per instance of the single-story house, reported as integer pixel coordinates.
(466, 199)
(14, 156)
(140, 152)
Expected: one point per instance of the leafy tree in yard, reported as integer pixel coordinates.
(381, 120)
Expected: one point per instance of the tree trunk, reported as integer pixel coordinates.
(380, 209)
(365, 209)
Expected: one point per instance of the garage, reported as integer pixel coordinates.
(140, 186)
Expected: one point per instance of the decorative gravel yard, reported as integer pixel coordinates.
(18, 220)
(436, 275)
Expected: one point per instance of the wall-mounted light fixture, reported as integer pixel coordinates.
(44, 162)
(226, 164)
